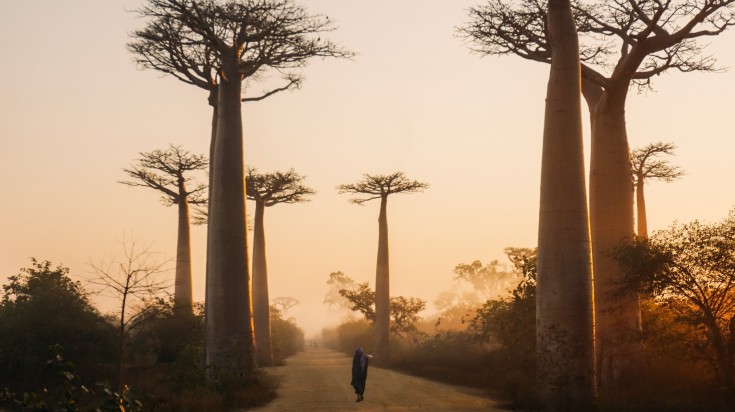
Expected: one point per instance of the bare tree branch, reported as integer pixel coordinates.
(646, 164)
(652, 36)
(276, 187)
(378, 186)
(174, 163)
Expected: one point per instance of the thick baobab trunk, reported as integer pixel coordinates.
(640, 202)
(382, 289)
(182, 289)
(564, 310)
(617, 313)
(261, 301)
(230, 341)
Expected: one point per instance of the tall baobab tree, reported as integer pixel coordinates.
(380, 187)
(219, 46)
(166, 171)
(564, 310)
(267, 190)
(647, 166)
(650, 37)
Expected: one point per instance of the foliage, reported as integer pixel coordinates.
(286, 337)
(353, 334)
(170, 337)
(333, 299)
(42, 307)
(68, 394)
(690, 269)
(511, 322)
(488, 281)
(403, 310)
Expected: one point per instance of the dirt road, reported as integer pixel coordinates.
(319, 380)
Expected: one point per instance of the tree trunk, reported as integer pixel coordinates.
(212, 99)
(617, 313)
(723, 355)
(382, 289)
(564, 311)
(230, 339)
(182, 288)
(261, 301)
(640, 202)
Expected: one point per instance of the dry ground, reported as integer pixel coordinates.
(319, 380)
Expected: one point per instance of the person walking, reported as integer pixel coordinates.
(360, 364)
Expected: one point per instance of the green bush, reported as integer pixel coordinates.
(42, 307)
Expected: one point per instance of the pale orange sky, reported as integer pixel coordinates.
(75, 110)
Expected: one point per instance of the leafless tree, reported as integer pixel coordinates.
(136, 277)
(167, 171)
(633, 41)
(648, 166)
(380, 187)
(268, 190)
(219, 46)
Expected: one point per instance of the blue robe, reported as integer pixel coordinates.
(359, 373)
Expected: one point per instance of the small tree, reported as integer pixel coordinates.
(647, 166)
(132, 280)
(380, 187)
(166, 171)
(336, 282)
(487, 281)
(690, 268)
(403, 310)
(268, 190)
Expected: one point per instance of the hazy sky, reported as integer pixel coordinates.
(75, 110)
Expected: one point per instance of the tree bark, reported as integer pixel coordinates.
(261, 301)
(617, 313)
(640, 202)
(212, 99)
(564, 310)
(382, 289)
(723, 356)
(230, 339)
(182, 288)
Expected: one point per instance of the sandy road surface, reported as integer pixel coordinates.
(319, 380)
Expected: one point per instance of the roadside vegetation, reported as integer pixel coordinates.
(58, 352)
(684, 275)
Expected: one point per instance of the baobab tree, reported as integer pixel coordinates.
(564, 309)
(268, 190)
(647, 166)
(219, 46)
(166, 171)
(650, 38)
(380, 187)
